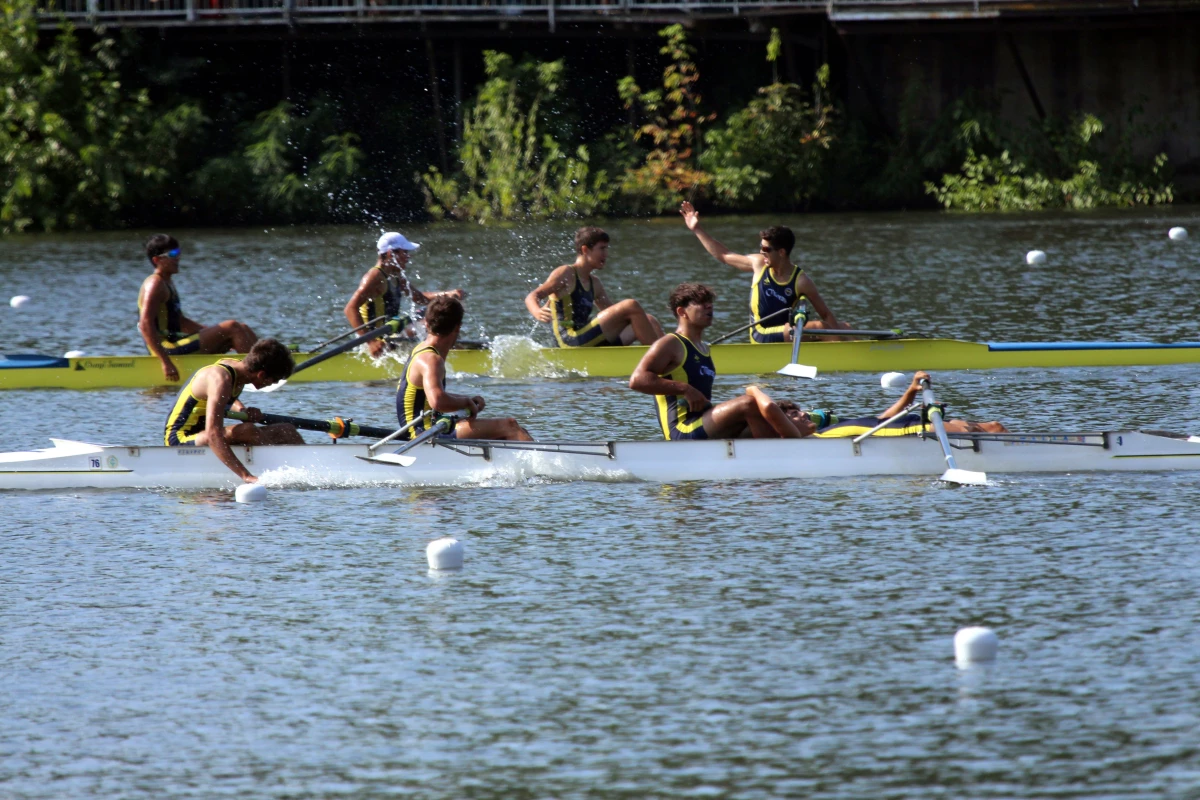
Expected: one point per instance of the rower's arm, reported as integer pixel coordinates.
(909, 395)
(432, 372)
(598, 294)
(218, 388)
(555, 284)
(807, 288)
(663, 356)
(743, 263)
(367, 287)
(154, 294)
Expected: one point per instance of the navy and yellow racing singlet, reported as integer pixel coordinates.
(386, 303)
(169, 324)
(676, 420)
(768, 297)
(573, 323)
(411, 400)
(909, 424)
(189, 414)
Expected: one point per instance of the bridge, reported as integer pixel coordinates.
(549, 14)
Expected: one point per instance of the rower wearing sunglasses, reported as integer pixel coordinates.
(778, 286)
(166, 331)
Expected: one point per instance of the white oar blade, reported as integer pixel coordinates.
(965, 477)
(799, 371)
(391, 459)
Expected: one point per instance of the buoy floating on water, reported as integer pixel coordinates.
(74, 354)
(975, 645)
(250, 493)
(893, 380)
(20, 301)
(1177, 234)
(444, 553)
(1035, 257)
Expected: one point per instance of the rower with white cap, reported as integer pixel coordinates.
(385, 285)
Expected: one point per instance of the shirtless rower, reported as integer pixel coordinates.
(678, 371)
(385, 286)
(164, 328)
(198, 417)
(573, 290)
(778, 283)
(823, 424)
(423, 383)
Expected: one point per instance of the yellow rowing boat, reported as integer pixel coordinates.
(516, 357)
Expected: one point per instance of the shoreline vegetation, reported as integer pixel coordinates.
(82, 147)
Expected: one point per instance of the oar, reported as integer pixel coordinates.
(758, 321)
(795, 369)
(953, 474)
(440, 426)
(350, 332)
(337, 427)
(391, 326)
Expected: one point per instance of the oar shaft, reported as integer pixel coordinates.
(758, 321)
(801, 318)
(391, 326)
(350, 332)
(935, 419)
(320, 425)
(441, 425)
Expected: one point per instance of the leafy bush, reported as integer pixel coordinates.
(512, 166)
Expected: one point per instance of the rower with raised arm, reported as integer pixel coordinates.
(778, 284)
(679, 372)
(385, 286)
(197, 418)
(573, 291)
(824, 424)
(164, 328)
(423, 384)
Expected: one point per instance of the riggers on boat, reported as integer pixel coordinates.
(77, 465)
(516, 357)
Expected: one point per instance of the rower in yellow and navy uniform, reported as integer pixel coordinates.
(423, 385)
(678, 371)
(573, 292)
(777, 283)
(769, 297)
(197, 417)
(164, 328)
(674, 417)
(384, 288)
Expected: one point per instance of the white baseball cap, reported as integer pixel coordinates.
(394, 241)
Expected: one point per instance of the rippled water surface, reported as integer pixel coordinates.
(753, 640)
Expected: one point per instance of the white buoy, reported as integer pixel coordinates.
(444, 553)
(975, 645)
(1035, 257)
(1177, 234)
(250, 493)
(893, 380)
(74, 354)
(20, 301)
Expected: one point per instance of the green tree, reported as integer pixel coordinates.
(76, 145)
(670, 173)
(512, 164)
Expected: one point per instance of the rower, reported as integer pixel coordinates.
(778, 283)
(385, 286)
(824, 424)
(423, 384)
(164, 328)
(198, 417)
(574, 291)
(678, 371)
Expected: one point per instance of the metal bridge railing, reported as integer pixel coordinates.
(251, 12)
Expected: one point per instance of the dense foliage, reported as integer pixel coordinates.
(86, 140)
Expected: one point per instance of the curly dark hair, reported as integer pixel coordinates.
(685, 294)
(779, 236)
(443, 315)
(272, 357)
(589, 236)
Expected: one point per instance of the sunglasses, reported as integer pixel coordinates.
(172, 253)
(766, 251)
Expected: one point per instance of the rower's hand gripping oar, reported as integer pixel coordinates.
(953, 474)
(796, 369)
(391, 326)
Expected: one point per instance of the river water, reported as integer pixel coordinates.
(749, 640)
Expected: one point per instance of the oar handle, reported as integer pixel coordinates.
(798, 329)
